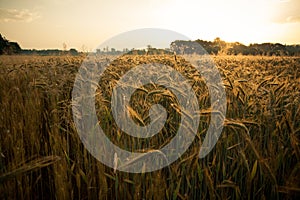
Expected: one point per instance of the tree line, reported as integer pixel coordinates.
(10, 48)
(219, 46)
(216, 47)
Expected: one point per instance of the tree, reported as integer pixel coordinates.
(84, 48)
(64, 46)
(7, 47)
(73, 52)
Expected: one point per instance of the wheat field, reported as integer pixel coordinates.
(256, 157)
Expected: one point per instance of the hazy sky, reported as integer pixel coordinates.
(50, 23)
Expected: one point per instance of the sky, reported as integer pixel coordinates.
(48, 24)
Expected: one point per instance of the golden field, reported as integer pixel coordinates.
(256, 157)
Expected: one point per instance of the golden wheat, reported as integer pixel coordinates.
(257, 155)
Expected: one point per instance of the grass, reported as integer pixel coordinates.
(256, 157)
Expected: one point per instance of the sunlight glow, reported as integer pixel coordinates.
(89, 23)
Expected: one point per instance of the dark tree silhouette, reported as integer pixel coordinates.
(219, 46)
(7, 47)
